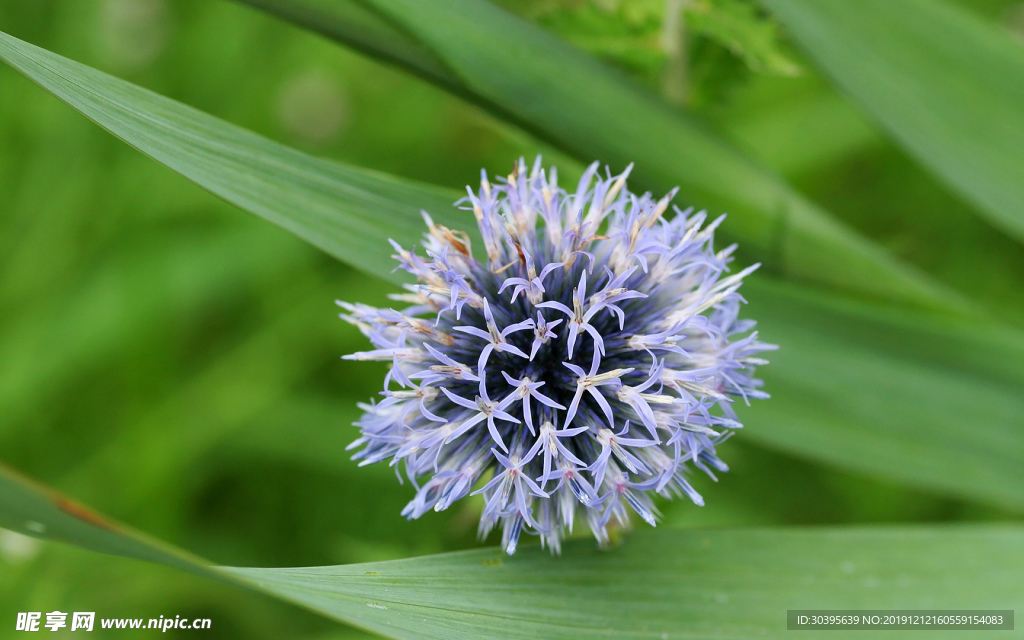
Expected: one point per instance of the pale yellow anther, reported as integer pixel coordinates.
(589, 381)
(616, 187)
(657, 398)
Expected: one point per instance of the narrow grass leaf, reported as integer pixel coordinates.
(349, 213)
(943, 83)
(543, 85)
(661, 584)
(33, 509)
(337, 208)
(363, 29)
(927, 402)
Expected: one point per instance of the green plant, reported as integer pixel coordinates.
(893, 370)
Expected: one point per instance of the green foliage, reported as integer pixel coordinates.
(709, 46)
(521, 73)
(343, 211)
(628, 35)
(737, 583)
(940, 81)
(175, 364)
(333, 207)
(750, 36)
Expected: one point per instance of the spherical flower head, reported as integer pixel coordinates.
(586, 360)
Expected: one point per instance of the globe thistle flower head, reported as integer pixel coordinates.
(589, 359)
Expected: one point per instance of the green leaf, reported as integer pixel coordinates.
(667, 583)
(548, 88)
(926, 402)
(332, 206)
(32, 509)
(657, 584)
(675, 583)
(944, 84)
(362, 29)
(846, 372)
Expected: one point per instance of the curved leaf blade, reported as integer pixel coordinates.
(364, 30)
(523, 75)
(335, 207)
(927, 402)
(349, 213)
(658, 584)
(942, 83)
(667, 584)
(32, 509)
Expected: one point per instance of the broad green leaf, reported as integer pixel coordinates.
(930, 403)
(656, 584)
(548, 88)
(942, 83)
(332, 206)
(667, 583)
(876, 360)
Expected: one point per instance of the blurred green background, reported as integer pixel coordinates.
(174, 362)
